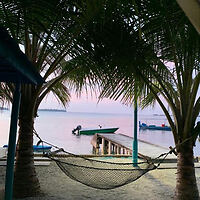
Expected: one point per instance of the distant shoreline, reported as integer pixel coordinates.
(3, 108)
(52, 110)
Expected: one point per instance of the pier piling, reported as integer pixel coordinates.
(103, 145)
(108, 144)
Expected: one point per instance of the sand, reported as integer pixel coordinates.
(155, 185)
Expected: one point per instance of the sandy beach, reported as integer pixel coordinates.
(55, 185)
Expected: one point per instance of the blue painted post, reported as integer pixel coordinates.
(135, 140)
(12, 143)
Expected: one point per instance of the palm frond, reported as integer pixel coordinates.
(61, 92)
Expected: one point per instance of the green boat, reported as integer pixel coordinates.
(79, 131)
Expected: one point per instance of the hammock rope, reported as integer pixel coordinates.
(101, 174)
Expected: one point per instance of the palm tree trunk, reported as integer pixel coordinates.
(186, 186)
(26, 182)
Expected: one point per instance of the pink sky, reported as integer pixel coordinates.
(90, 104)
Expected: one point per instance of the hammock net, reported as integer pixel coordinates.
(97, 173)
(101, 174)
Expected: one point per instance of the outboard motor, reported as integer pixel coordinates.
(79, 127)
(76, 130)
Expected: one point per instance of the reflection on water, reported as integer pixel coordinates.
(56, 128)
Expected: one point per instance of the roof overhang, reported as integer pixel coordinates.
(192, 10)
(14, 64)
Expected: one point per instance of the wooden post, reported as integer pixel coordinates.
(93, 150)
(97, 149)
(103, 147)
(113, 149)
(106, 147)
(117, 149)
(125, 151)
(109, 147)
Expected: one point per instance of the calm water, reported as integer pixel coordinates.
(56, 127)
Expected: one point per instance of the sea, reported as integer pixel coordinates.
(56, 127)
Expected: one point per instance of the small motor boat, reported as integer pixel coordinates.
(163, 127)
(76, 130)
(91, 131)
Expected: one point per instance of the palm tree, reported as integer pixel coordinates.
(149, 51)
(46, 31)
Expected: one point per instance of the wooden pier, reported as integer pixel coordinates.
(119, 144)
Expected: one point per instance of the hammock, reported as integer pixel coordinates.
(100, 174)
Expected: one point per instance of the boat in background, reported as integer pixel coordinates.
(37, 148)
(79, 131)
(163, 127)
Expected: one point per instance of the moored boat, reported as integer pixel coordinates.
(163, 127)
(40, 148)
(80, 131)
(37, 148)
